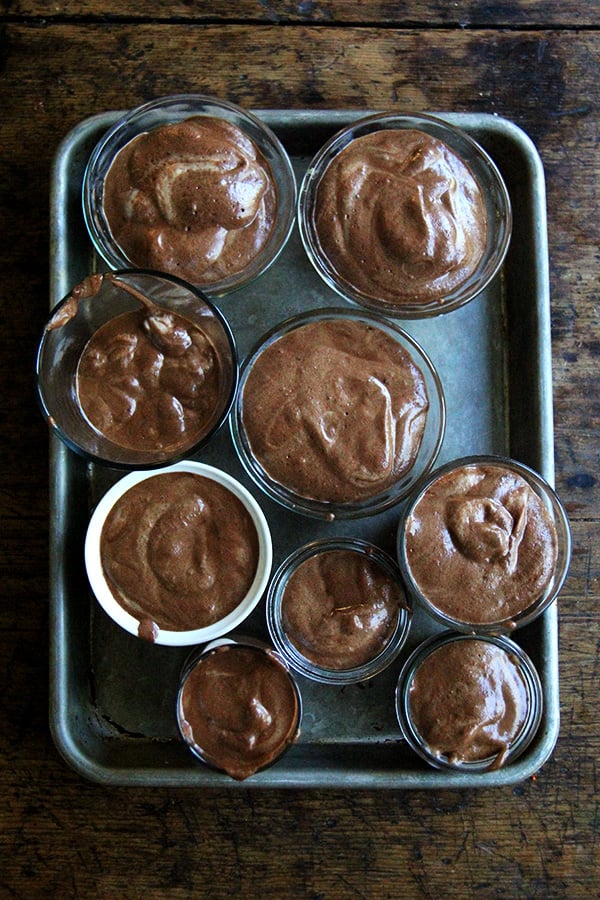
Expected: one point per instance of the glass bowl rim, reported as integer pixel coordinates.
(492, 259)
(543, 490)
(530, 677)
(325, 509)
(295, 659)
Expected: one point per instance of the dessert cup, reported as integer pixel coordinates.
(478, 706)
(378, 654)
(141, 624)
(380, 498)
(396, 297)
(99, 300)
(247, 713)
(491, 541)
(172, 110)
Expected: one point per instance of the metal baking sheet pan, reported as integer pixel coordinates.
(112, 696)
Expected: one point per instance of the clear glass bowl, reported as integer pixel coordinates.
(558, 516)
(418, 742)
(173, 109)
(428, 451)
(497, 202)
(229, 755)
(133, 625)
(289, 650)
(74, 321)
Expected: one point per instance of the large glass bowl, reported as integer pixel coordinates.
(324, 508)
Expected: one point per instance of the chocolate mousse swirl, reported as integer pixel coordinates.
(335, 410)
(194, 198)
(469, 702)
(179, 550)
(239, 709)
(150, 378)
(340, 608)
(480, 544)
(401, 217)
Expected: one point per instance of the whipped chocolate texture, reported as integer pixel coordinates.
(335, 410)
(239, 709)
(194, 198)
(481, 545)
(179, 552)
(468, 702)
(150, 379)
(401, 217)
(340, 608)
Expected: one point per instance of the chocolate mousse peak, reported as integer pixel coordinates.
(335, 410)
(469, 702)
(400, 217)
(194, 198)
(481, 546)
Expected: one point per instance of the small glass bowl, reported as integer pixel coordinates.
(76, 319)
(497, 201)
(228, 754)
(428, 451)
(558, 516)
(173, 109)
(418, 742)
(282, 641)
(133, 625)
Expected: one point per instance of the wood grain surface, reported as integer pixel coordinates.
(412, 13)
(535, 63)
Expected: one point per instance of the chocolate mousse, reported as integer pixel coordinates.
(150, 378)
(480, 544)
(179, 552)
(468, 701)
(334, 410)
(340, 608)
(400, 217)
(239, 709)
(194, 198)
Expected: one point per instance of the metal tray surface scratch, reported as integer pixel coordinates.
(111, 695)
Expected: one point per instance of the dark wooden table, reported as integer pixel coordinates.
(534, 62)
